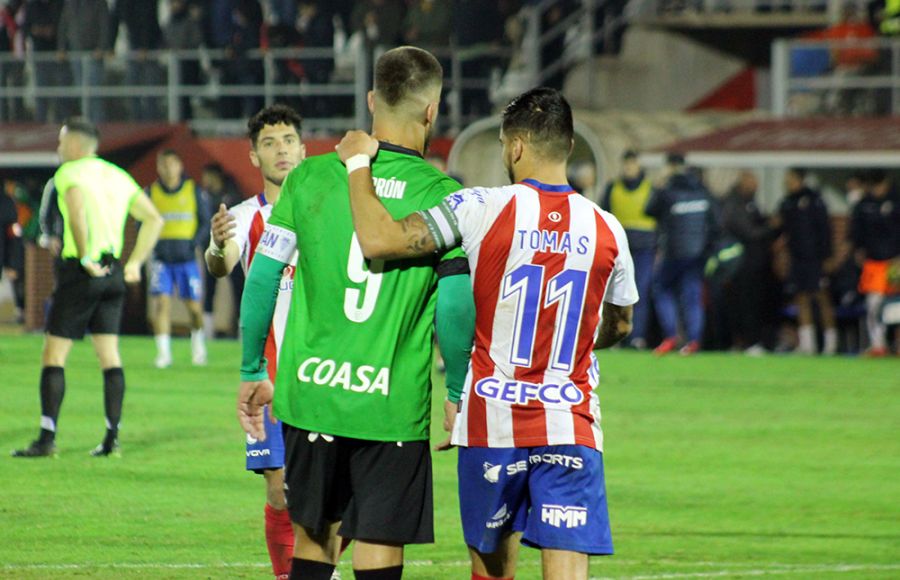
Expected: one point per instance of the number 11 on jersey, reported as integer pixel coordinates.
(525, 285)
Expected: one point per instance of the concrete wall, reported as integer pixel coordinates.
(657, 70)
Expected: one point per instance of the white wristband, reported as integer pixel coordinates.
(357, 162)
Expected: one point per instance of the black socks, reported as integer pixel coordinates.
(310, 570)
(53, 388)
(392, 573)
(113, 395)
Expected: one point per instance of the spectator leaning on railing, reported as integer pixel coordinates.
(184, 32)
(11, 45)
(238, 68)
(85, 26)
(428, 23)
(141, 21)
(41, 28)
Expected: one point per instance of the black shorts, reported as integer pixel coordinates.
(379, 491)
(81, 302)
(805, 276)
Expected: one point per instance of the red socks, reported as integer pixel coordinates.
(478, 577)
(280, 540)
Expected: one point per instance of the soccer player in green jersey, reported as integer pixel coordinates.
(354, 389)
(95, 199)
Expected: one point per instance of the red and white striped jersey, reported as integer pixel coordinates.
(251, 217)
(543, 260)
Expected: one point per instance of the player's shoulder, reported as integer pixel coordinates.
(614, 225)
(249, 206)
(486, 195)
(316, 163)
(608, 218)
(323, 166)
(86, 168)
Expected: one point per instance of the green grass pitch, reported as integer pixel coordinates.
(717, 466)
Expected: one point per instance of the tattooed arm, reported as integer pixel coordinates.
(615, 326)
(380, 236)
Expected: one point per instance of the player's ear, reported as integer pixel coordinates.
(254, 158)
(302, 151)
(431, 112)
(518, 148)
(370, 100)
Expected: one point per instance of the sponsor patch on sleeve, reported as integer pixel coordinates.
(277, 243)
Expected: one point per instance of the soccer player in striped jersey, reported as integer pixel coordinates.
(553, 280)
(276, 149)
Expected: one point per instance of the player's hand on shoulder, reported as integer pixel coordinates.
(222, 225)
(357, 143)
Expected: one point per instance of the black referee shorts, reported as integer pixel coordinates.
(379, 491)
(82, 303)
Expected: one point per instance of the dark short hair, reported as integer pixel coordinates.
(543, 117)
(273, 115)
(214, 168)
(168, 152)
(799, 172)
(629, 155)
(405, 71)
(82, 126)
(674, 158)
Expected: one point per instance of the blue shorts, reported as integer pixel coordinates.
(556, 495)
(185, 276)
(268, 454)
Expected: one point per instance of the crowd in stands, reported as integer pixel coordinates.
(720, 274)
(48, 38)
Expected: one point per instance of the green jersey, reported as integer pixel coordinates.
(357, 349)
(108, 192)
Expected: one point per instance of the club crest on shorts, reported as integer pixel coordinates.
(492, 472)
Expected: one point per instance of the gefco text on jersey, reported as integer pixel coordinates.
(551, 241)
(521, 392)
(362, 379)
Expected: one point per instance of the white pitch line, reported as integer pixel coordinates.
(799, 569)
(774, 569)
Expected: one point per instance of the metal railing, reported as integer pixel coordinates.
(216, 90)
(854, 77)
(739, 7)
(167, 85)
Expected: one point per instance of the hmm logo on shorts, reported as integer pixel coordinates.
(563, 515)
(258, 453)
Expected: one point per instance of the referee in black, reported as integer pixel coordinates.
(95, 199)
